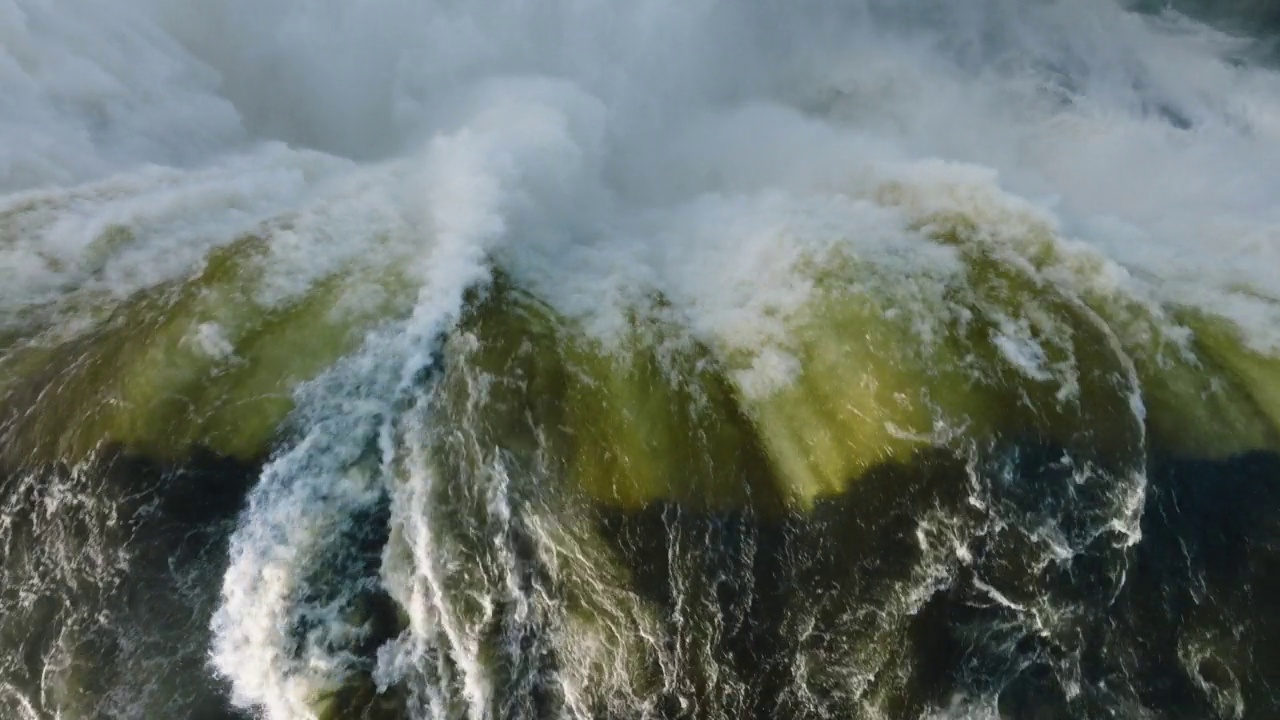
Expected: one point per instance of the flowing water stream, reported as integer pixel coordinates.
(686, 359)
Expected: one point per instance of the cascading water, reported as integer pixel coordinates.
(582, 359)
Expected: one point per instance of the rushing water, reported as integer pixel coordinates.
(653, 359)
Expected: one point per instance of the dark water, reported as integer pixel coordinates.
(1252, 17)
(421, 489)
(112, 574)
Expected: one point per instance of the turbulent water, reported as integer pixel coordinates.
(653, 359)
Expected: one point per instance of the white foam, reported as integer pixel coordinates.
(91, 89)
(601, 153)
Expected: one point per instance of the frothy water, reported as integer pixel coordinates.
(479, 359)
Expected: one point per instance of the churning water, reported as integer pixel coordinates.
(653, 359)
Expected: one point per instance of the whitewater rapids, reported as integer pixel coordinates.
(663, 359)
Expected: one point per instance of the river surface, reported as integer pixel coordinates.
(670, 359)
